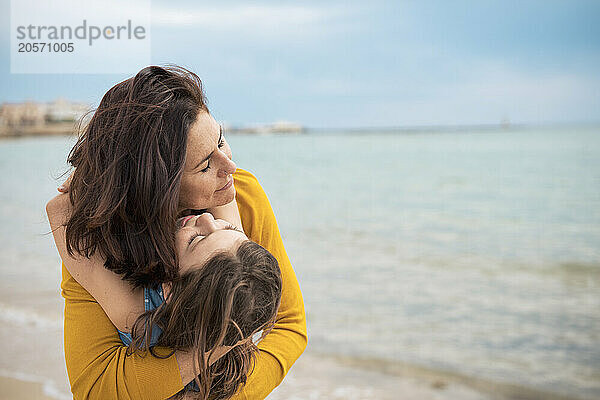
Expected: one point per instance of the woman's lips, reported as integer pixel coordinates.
(227, 185)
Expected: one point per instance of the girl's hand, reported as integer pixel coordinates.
(185, 361)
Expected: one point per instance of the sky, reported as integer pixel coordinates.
(346, 64)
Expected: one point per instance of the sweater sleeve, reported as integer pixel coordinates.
(288, 339)
(96, 359)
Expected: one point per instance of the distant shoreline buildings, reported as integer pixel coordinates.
(272, 128)
(58, 117)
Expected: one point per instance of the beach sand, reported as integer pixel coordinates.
(14, 389)
(325, 377)
(316, 377)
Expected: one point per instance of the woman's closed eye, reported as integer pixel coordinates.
(220, 146)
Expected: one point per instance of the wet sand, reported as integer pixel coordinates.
(326, 377)
(316, 377)
(14, 389)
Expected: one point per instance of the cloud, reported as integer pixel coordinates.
(73, 11)
(493, 91)
(272, 20)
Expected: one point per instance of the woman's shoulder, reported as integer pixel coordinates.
(248, 188)
(245, 177)
(253, 205)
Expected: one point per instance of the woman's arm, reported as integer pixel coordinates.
(288, 339)
(96, 359)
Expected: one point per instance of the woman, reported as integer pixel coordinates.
(152, 153)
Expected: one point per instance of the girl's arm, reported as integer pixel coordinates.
(121, 303)
(287, 340)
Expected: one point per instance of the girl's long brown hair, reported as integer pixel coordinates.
(128, 165)
(230, 299)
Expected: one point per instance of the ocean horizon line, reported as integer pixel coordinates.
(454, 127)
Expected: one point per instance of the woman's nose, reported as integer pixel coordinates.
(227, 166)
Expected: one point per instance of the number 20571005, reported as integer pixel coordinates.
(46, 47)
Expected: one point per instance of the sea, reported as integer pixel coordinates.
(472, 251)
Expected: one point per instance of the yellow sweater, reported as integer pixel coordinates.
(95, 356)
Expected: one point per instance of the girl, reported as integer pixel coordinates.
(224, 301)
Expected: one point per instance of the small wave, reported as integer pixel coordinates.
(18, 316)
(48, 386)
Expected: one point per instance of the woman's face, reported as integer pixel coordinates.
(201, 236)
(206, 180)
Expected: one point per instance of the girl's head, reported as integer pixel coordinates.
(202, 236)
(150, 151)
(229, 291)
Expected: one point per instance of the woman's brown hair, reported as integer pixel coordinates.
(128, 165)
(224, 303)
